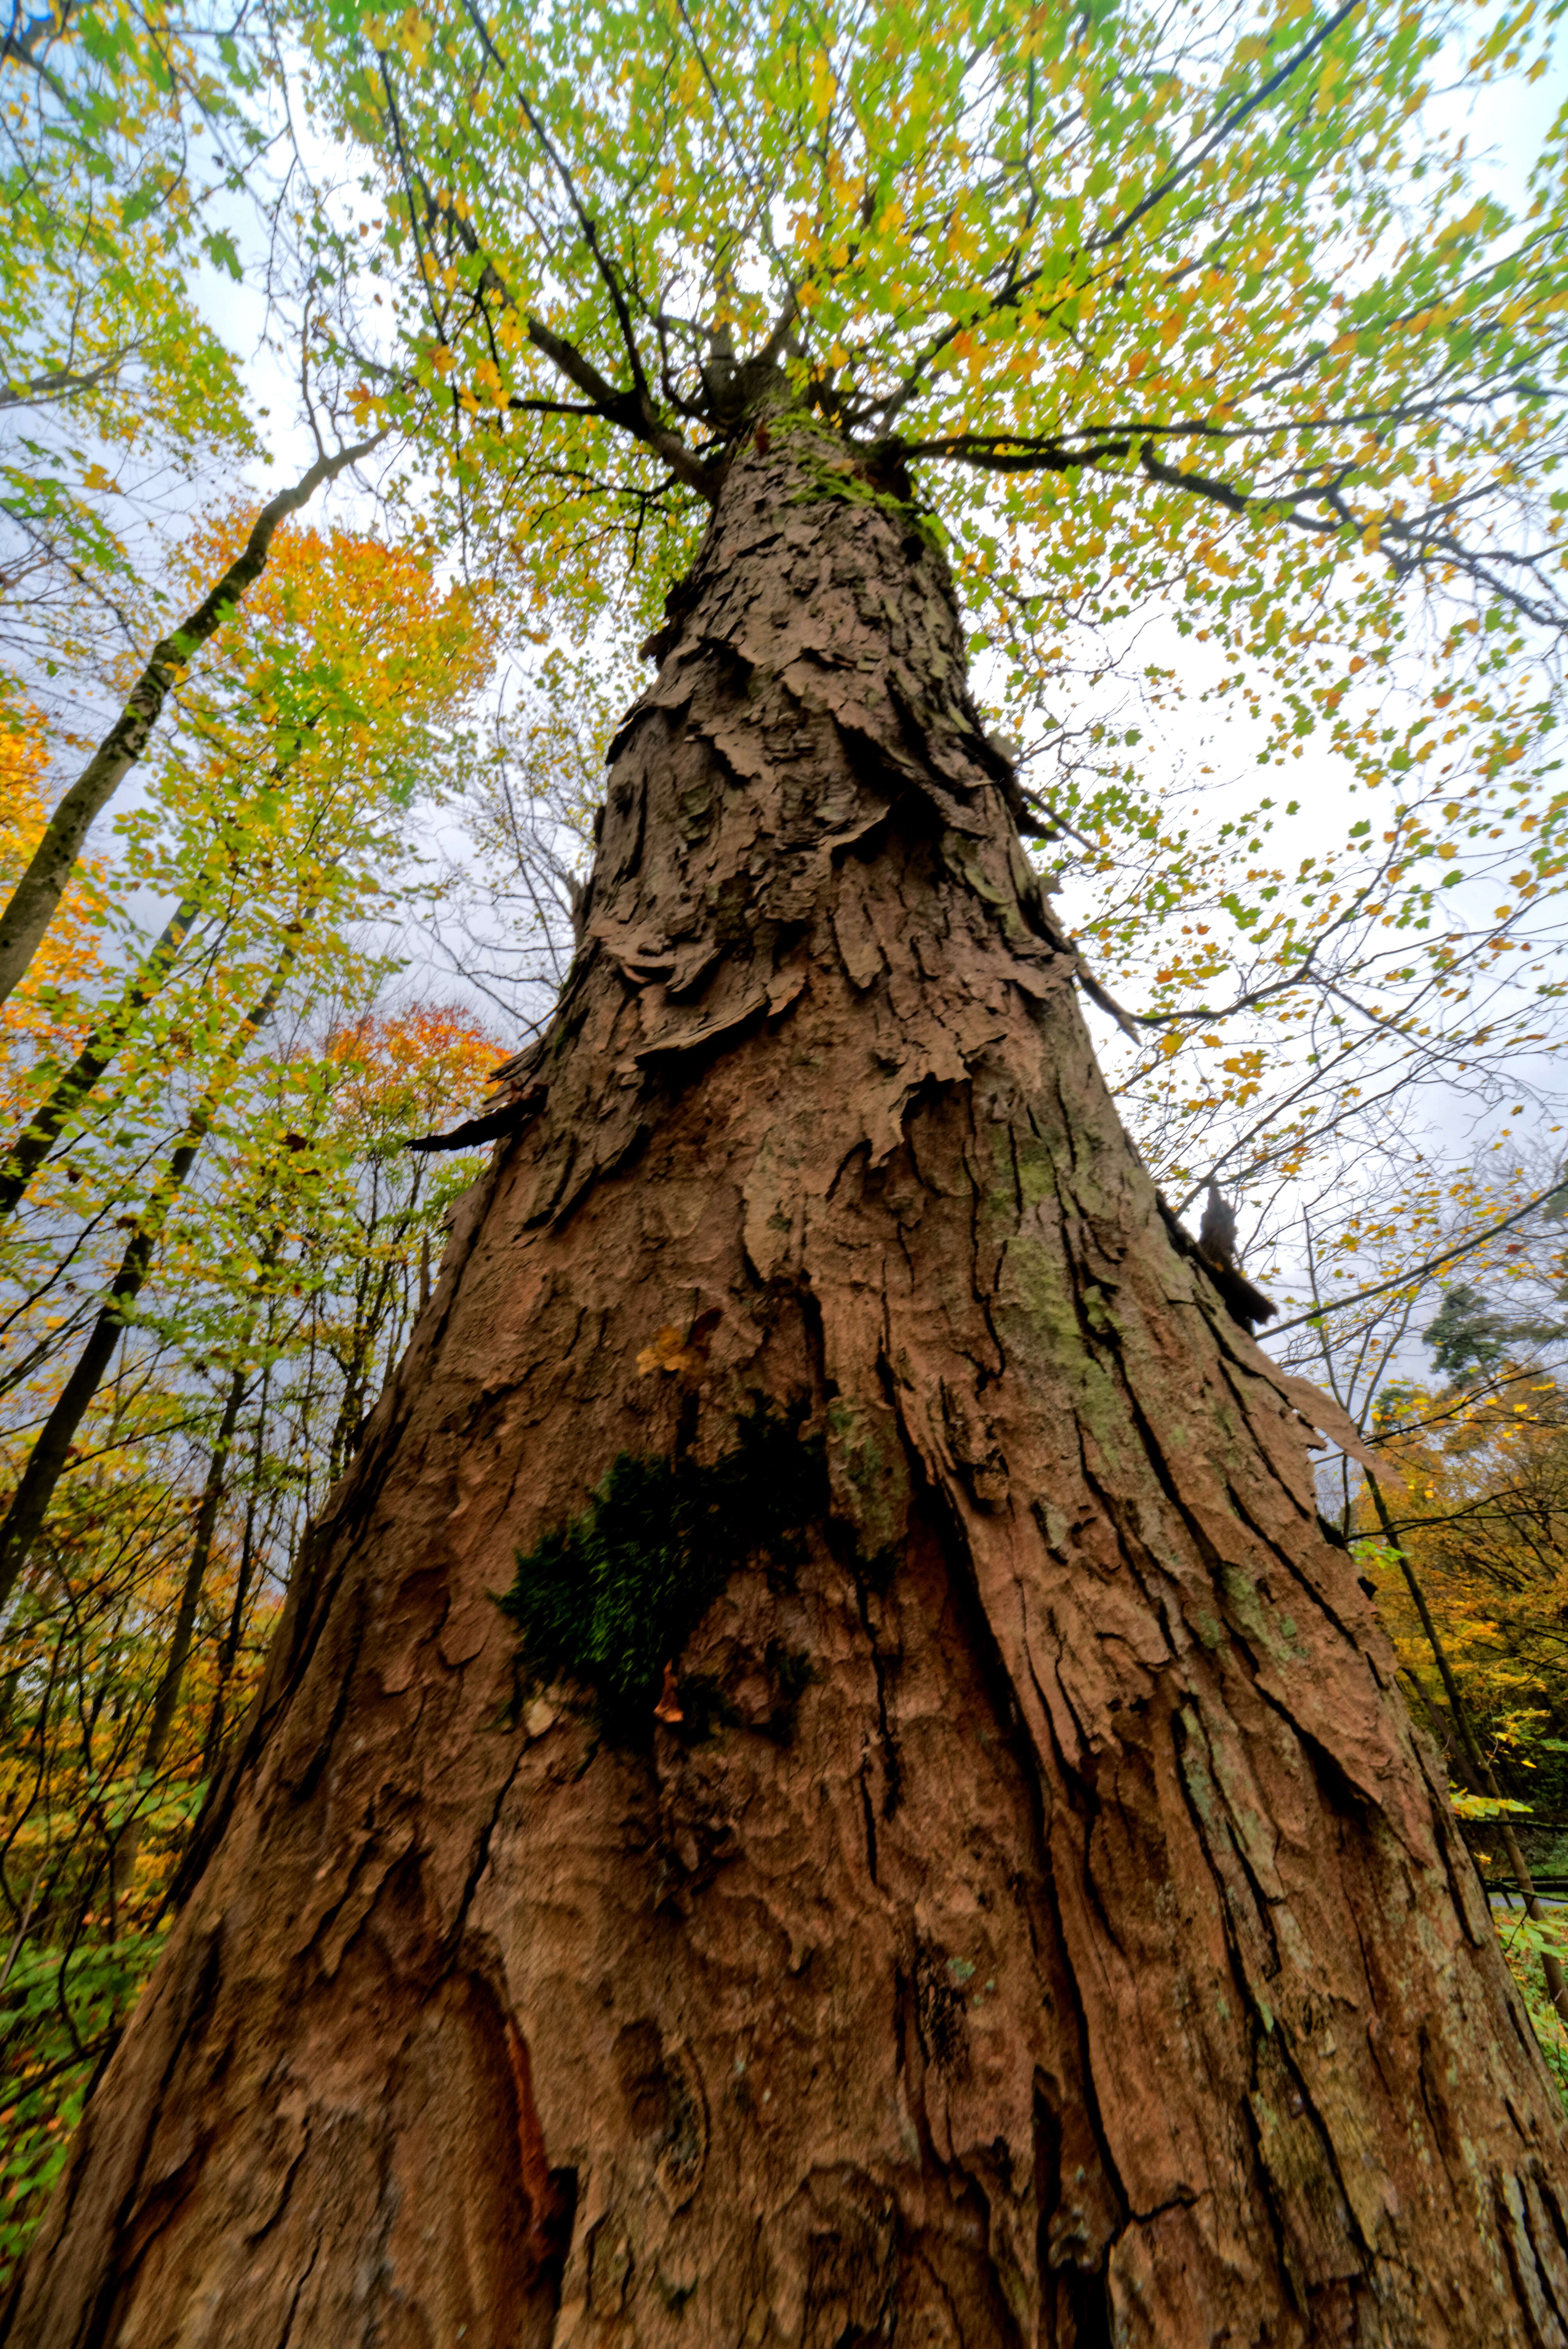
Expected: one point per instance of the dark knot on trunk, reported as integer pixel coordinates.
(1215, 1249)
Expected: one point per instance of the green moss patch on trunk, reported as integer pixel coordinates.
(611, 1598)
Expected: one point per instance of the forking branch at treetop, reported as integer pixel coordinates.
(1200, 315)
(1195, 299)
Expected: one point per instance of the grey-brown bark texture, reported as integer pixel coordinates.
(1089, 1954)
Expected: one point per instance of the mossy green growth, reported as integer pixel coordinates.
(826, 479)
(611, 1598)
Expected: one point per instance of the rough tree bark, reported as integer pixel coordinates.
(1094, 1956)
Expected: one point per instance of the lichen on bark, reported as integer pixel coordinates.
(1096, 1959)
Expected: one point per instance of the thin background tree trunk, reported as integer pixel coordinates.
(73, 1088)
(36, 899)
(1480, 1768)
(228, 1648)
(1061, 1937)
(48, 1461)
(172, 1677)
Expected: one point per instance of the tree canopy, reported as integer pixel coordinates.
(1062, 256)
(1200, 316)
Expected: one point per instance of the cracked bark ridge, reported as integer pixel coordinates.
(1085, 1951)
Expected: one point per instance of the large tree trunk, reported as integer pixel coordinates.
(1058, 1936)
